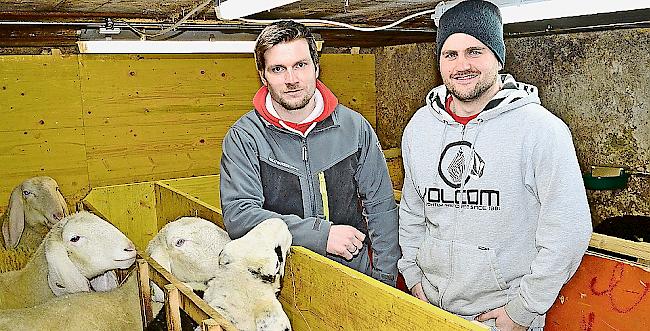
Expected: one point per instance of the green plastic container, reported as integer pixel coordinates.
(605, 183)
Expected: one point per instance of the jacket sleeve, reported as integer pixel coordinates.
(412, 227)
(380, 210)
(242, 196)
(564, 224)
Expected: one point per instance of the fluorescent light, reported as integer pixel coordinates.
(232, 9)
(526, 12)
(164, 47)
(514, 11)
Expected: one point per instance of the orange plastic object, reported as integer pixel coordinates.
(604, 294)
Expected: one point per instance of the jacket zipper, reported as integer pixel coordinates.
(305, 159)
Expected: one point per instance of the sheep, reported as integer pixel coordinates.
(245, 287)
(188, 247)
(118, 309)
(77, 255)
(34, 207)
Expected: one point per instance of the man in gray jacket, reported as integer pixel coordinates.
(303, 157)
(494, 216)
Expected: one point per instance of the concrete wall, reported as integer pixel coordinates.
(597, 82)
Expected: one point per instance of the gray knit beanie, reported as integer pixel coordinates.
(477, 18)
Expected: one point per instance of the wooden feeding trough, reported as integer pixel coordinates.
(317, 293)
(320, 294)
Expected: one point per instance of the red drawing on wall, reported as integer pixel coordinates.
(615, 279)
(587, 324)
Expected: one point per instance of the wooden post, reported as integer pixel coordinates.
(210, 325)
(145, 292)
(172, 304)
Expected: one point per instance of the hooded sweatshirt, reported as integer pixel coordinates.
(493, 213)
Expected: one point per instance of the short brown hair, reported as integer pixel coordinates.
(280, 32)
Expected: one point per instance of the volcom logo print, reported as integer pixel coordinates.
(453, 163)
(457, 166)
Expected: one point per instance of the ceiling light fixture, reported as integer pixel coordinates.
(164, 47)
(515, 11)
(169, 47)
(234, 9)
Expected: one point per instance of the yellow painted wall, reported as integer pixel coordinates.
(97, 120)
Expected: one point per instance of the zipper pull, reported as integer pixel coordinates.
(304, 152)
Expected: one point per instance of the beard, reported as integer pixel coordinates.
(479, 89)
(291, 105)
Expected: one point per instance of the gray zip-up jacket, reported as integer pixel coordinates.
(493, 213)
(268, 171)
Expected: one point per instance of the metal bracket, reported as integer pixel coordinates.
(109, 27)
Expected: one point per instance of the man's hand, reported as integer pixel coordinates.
(503, 321)
(345, 241)
(418, 292)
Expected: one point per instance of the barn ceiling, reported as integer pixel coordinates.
(73, 14)
(43, 22)
(362, 12)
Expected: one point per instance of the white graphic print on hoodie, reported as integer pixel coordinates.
(493, 213)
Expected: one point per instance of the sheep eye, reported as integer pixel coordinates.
(74, 239)
(179, 242)
(26, 193)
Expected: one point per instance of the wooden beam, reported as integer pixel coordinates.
(392, 153)
(172, 308)
(40, 36)
(640, 250)
(145, 292)
(194, 306)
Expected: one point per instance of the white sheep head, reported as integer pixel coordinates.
(263, 250)
(247, 302)
(81, 252)
(189, 248)
(36, 203)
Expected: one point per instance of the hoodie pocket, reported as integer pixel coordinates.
(476, 280)
(434, 259)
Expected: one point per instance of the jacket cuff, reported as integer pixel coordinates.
(412, 276)
(518, 313)
(324, 234)
(388, 279)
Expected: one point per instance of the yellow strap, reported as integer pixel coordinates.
(323, 194)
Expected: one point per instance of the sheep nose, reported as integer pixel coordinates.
(58, 215)
(130, 248)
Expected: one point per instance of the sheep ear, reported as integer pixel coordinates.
(104, 282)
(13, 229)
(62, 276)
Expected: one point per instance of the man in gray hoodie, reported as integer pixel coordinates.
(494, 216)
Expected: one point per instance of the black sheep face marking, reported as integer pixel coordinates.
(279, 265)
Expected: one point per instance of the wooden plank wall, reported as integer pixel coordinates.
(131, 208)
(41, 131)
(97, 120)
(320, 294)
(172, 204)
